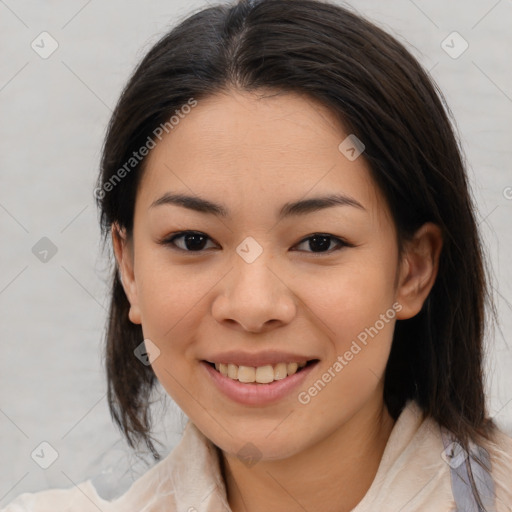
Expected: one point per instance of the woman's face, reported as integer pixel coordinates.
(256, 289)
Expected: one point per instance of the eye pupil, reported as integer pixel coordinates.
(198, 241)
(320, 242)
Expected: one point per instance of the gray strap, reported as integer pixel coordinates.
(458, 460)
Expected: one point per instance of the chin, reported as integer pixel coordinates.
(260, 448)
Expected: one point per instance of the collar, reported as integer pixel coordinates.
(190, 476)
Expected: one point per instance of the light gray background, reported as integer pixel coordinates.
(53, 117)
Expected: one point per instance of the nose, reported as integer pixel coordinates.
(254, 298)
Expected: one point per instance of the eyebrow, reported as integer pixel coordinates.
(301, 207)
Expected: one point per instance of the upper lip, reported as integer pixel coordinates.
(257, 358)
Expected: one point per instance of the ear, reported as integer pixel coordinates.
(418, 271)
(123, 250)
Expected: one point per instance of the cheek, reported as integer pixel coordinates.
(352, 298)
(171, 309)
(355, 306)
(167, 293)
(172, 302)
(360, 316)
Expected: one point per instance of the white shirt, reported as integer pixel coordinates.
(412, 476)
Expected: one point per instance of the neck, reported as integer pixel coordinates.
(332, 475)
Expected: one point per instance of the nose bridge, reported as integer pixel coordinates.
(252, 277)
(254, 274)
(254, 293)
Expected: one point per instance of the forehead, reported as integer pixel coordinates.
(251, 148)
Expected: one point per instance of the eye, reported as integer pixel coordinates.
(320, 242)
(192, 241)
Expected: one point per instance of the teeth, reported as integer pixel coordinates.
(261, 374)
(232, 371)
(264, 374)
(292, 368)
(246, 374)
(280, 371)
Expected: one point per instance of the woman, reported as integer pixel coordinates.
(298, 264)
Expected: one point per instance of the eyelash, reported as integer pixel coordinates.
(170, 242)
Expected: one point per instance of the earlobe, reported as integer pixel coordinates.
(123, 252)
(420, 264)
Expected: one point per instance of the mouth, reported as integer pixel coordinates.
(265, 374)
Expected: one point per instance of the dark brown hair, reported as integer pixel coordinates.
(383, 96)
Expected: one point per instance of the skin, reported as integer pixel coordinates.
(246, 150)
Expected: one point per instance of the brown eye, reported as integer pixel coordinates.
(320, 243)
(190, 241)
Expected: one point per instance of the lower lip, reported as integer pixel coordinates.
(257, 394)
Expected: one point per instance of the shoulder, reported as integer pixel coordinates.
(500, 455)
(82, 497)
(189, 476)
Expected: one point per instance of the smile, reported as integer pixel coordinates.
(258, 385)
(261, 374)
